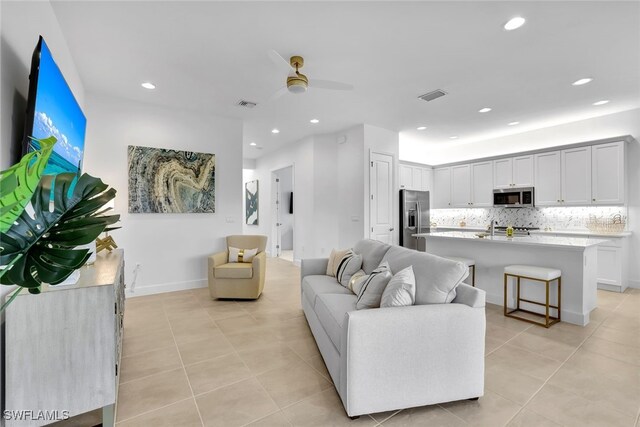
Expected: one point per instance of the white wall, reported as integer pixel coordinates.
(20, 25)
(172, 248)
(350, 204)
(624, 123)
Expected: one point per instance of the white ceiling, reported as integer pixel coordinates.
(208, 55)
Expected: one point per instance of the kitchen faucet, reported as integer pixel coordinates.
(492, 228)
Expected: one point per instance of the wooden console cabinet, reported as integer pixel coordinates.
(62, 347)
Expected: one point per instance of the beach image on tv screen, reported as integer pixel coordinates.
(58, 114)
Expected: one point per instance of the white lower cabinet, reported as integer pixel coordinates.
(612, 265)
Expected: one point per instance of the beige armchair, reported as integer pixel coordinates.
(238, 280)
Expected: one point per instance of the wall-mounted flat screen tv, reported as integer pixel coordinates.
(52, 110)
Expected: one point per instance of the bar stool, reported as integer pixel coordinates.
(540, 274)
(471, 263)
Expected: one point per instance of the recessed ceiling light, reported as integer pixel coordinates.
(314, 121)
(421, 128)
(148, 85)
(484, 110)
(514, 23)
(253, 144)
(604, 101)
(514, 123)
(581, 82)
(453, 137)
(274, 130)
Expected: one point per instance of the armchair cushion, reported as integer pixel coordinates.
(241, 255)
(236, 270)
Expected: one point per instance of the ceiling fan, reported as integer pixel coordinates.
(296, 81)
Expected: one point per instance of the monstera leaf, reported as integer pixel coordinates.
(63, 213)
(18, 183)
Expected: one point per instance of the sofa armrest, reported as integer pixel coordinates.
(468, 295)
(218, 259)
(313, 267)
(402, 357)
(259, 265)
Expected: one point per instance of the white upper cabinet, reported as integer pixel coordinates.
(441, 188)
(415, 178)
(406, 177)
(482, 184)
(607, 174)
(547, 179)
(576, 176)
(513, 172)
(523, 171)
(461, 186)
(503, 173)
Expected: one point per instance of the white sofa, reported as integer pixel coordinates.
(393, 358)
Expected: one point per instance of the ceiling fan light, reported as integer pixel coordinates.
(297, 87)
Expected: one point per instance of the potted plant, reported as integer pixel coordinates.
(44, 218)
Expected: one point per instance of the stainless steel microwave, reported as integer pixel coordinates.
(521, 197)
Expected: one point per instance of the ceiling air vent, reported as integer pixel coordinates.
(432, 95)
(246, 104)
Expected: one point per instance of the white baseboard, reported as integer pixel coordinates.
(166, 287)
(635, 284)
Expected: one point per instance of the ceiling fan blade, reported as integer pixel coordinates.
(329, 84)
(283, 90)
(280, 62)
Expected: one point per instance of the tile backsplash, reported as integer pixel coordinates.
(557, 218)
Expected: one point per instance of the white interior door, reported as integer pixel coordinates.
(381, 197)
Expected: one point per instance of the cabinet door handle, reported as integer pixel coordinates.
(594, 200)
(558, 200)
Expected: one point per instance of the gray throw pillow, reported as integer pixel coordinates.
(371, 290)
(401, 289)
(348, 266)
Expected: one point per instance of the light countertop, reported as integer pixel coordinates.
(577, 233)
(533, 240)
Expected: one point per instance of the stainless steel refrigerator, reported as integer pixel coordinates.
(414, 218)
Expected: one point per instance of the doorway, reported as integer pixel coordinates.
(282, 213)
(381, 197)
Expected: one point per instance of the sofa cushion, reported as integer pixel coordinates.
(372, 253)
(401, 289)
(348, 266)
(331, 310)
(371, 290)
(312, 286)
(235, 270)
(436, 277)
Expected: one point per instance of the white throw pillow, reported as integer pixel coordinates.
(372, 288)
(401, 289)
(241, 255)
(348, 266)
(334, 260)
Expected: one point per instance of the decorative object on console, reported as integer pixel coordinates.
(41, 245)
(251, 202)
(401, 289)
(242, 255)
(170, 181)
(107, 243)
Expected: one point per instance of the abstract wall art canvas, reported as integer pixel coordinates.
(251, 202)
(171, 181)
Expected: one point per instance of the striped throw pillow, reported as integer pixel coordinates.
(348, 266)
(371, 290)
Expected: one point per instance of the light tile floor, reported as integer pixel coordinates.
(191, 361)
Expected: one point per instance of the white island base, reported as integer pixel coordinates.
(575, 257)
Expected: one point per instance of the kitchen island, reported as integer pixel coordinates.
(575, 256)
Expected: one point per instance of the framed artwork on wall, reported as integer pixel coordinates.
(171, 181)
(251, 202)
